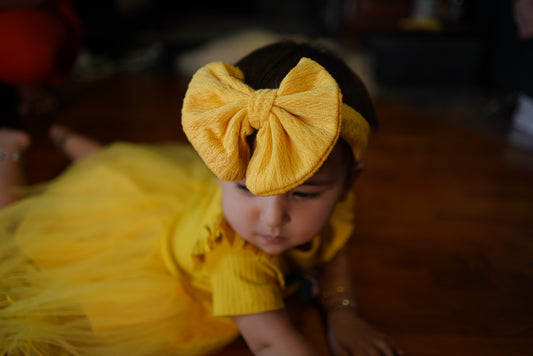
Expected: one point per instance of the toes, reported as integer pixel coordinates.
(58, 131)
(72, 144)
(58, 134)
(14, 140)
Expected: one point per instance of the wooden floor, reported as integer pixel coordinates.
(443, 256)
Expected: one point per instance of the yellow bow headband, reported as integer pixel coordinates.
(297, 125)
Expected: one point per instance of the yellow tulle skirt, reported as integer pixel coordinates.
(81, 268)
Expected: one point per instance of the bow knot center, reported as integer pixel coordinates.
(259, 106)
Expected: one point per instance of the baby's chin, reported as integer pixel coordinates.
(273, 250)
(269, 244)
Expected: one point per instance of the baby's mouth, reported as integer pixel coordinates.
(274, 240)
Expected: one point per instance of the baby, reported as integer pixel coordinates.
(141, 250)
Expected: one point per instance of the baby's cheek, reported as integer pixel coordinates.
(317, 220)
(309, 228)
(243, 220)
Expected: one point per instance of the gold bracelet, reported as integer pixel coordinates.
(342, 303)
(340, 297)
(329, 294)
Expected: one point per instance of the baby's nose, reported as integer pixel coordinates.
(274, 211)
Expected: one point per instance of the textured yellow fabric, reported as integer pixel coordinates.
(241, 278)
(244, 280)
(81, 263)
(297, 125)
(354, 131)
(127, 253)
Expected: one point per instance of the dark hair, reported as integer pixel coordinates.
(266, 67)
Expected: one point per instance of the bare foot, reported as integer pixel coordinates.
(14, 140)
(13, 143)
(73, 145)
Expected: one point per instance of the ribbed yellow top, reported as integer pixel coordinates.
(241, 278)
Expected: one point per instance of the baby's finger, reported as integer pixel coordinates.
(388, 348)
(342, 351)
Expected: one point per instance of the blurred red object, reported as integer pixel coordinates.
(39, 45)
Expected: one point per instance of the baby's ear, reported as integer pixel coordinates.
(355, 171)
(353, 174)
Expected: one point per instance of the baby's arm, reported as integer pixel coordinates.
(272, 333)
(348, 333)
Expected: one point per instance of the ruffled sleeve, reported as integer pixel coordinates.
(244, 280)
(205, 253)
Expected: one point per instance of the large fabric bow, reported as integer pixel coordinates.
(296, 125)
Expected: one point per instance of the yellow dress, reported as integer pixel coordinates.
(127, 253)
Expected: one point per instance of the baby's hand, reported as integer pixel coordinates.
(349, 334)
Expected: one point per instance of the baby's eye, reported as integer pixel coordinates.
(242, 187)
(305, 195)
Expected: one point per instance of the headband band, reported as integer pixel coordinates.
(296, 125)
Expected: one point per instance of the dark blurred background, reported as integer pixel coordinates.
(460, 60)
(476, 43)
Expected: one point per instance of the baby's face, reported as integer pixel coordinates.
(277, 223)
